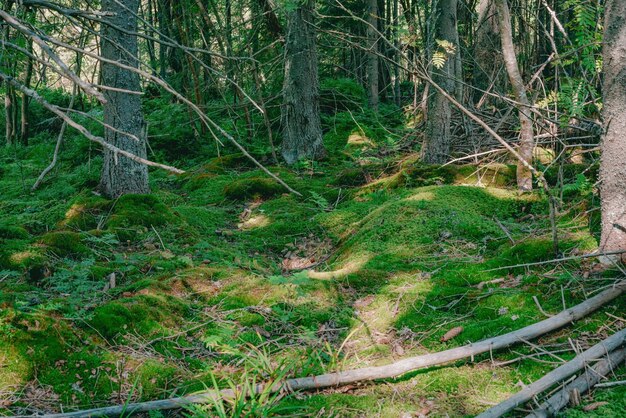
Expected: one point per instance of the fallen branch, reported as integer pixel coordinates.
(557, 375)
(396, 369)
(581, 384)
(559, 260)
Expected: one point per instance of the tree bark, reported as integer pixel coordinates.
(612, 168)
(488, 61)
(122, 111)
(436, 148)
(302, 127)
(372, 55)
(581, 384)
(527, 136)
(24, 114)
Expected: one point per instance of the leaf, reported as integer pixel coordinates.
(439, 60)
(451, 334)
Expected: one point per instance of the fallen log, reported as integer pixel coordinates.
(396, 369)
(581, 384)
(557, 375)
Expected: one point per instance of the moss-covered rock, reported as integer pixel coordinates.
(64, 243)
(253, 188)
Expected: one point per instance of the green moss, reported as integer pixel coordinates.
(12, 232)
(140, 210)
(253, 188)
(491, 175)
(153, 377)
(86, 213)
(64, 243)
(351, 177)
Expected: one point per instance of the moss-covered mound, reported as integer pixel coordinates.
(253, 188)
(64, 243)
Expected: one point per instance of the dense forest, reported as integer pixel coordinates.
(377, 208)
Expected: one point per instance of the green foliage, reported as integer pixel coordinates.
(12, 232)
(341, 94)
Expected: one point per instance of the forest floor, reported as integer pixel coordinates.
(219, 277)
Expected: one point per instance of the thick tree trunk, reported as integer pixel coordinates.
(372, 55)
(612, 168)
(527, 136)
(438, 136)
(121, 175)
(302, 128)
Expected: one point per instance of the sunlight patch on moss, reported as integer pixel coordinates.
(353, 265)
(256, 221)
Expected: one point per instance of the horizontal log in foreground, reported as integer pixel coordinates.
(392, 370)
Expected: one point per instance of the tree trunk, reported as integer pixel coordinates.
(121, 175)
(436, 148)
(372, 56)
(488, 60)
(302, 128)
(527, 136)
(24, 121)
(612, 168)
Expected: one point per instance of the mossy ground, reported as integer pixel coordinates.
(200, 290)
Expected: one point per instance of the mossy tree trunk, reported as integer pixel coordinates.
(302, 127)
(612, 168)
(437, 143)
(527, 135)
(122, 112)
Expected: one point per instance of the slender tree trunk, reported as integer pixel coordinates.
(526, 141)
(24, 114)
(436, 148)
(302, 128)
(9, 110)
(612, 168)
(396, 56)
(9, 98)
(121, 175)
(372, 56)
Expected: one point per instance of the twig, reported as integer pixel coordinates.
(559, 260)
(540, 308)
(611, 384)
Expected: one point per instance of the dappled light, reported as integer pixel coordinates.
(269, 208)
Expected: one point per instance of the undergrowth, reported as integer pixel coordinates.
(188, 288)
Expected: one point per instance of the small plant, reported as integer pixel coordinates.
(258, 395)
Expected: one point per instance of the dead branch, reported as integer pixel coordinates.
(80, 128)
(379, 372)
(88, 88)
(557, 375)
(581, 384)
